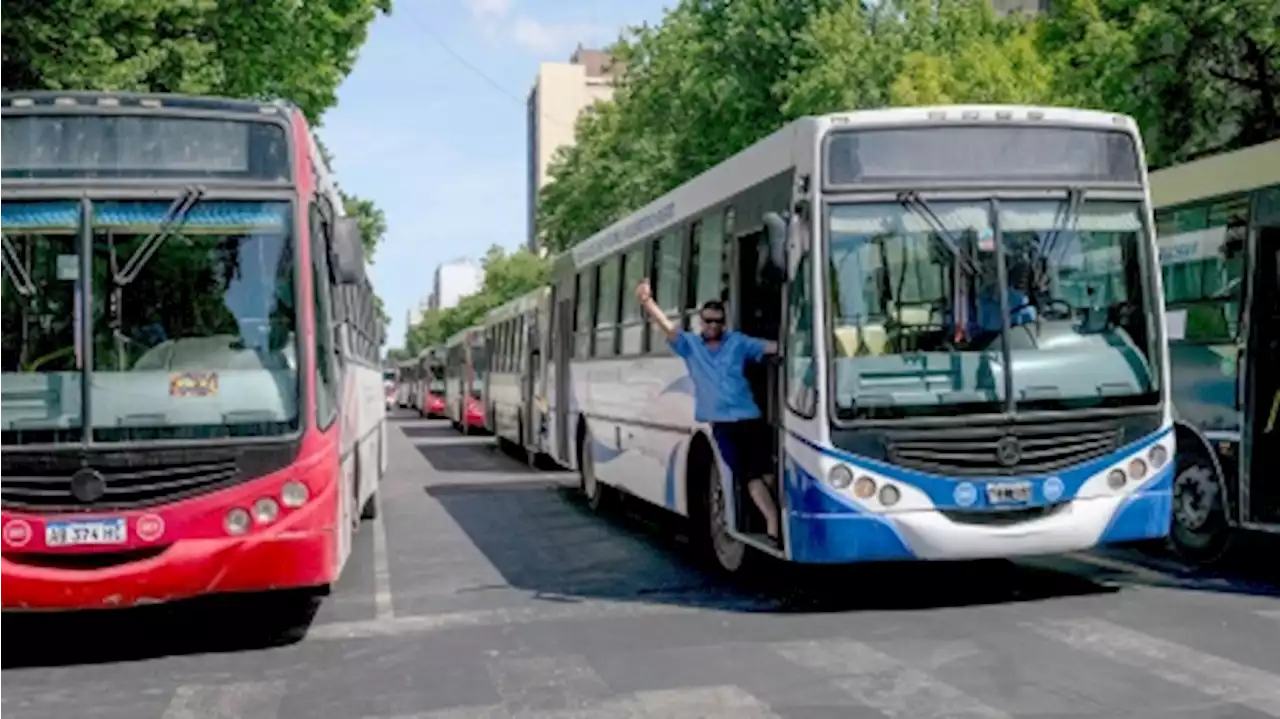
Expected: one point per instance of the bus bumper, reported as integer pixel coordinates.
(848, 537)
(297, 550)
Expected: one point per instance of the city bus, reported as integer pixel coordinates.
(969, 310)
(516, 389)
(390, 384)
(192, 393)
(406, 381)
(1218, 222)
(429, 392)
(465, 369)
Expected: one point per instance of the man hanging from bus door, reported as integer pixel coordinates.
(722, 396)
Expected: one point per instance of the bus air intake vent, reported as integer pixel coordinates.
(1002, 450)
(56, 487)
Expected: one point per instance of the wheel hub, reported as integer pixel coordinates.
(1194, 493)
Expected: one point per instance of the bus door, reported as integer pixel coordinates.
(1262, 388)
(759, 314)
(563, 356)
(532, 389)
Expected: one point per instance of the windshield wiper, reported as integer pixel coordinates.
(912, 200)
(17, 271)
(174, 218)
(1075, 202)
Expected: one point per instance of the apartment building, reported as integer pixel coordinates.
(561, 92)
(453, 281)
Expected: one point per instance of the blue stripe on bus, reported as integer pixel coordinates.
(669, 492)
(941, 490)
(38, 215)
(823, 527)
(1144, 514)
(202, 215)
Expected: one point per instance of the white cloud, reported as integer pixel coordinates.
(545, 39)
(488, 10)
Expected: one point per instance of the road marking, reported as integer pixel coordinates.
(1172, 662)
(532, 684)
(243, 700)
(383, 607)
(720, 702)
(564, 609)
(879, 681)
(1272, 614)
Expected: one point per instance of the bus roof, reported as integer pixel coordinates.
(528, 302)
(66, 100)
(1229, 173)
(462, 335)
(776, 153)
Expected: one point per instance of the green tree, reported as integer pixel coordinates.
(1200, 76)
(262, 49)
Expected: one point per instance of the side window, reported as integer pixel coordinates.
(632, 322)
(582, 318)
(801, 382)
(326, 372)
(667, 278)
(710, 260)
(607, 308)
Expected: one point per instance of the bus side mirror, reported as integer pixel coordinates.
(348, 251)
(776, 232)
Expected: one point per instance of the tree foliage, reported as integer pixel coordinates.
(506, 277)
(262, 49)
(717, 75)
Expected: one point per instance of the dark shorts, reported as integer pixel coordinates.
(745, 446)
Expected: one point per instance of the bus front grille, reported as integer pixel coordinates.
(1002, 450)
(53, 488)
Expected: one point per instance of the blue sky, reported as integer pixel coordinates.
(435, 143)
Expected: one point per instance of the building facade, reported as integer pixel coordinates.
(453, 281)
(561, 92)
(1005, 7)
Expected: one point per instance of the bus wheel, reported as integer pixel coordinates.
(595, 492)
(729, 555)
(1200, 533)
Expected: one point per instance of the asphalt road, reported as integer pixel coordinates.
(485, 589)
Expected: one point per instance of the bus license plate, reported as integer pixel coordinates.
(80, 533)
(1009, 493)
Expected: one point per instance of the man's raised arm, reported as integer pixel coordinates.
(655, 314)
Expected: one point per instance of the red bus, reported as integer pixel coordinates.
(192, 398)
(466, 365)
(430, 388)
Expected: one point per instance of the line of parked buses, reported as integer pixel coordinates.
(1131, 404)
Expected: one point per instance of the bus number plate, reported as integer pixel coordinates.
(1009, 493)
(80, 533)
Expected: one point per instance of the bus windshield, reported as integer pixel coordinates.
(917, 328)
(202, 340)
(41, 383)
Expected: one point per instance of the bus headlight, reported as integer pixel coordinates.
(293, 494)
(1137, 468)
(1116, 478)
(889, 495)
(265, 510)
(237, 521)
(1158, 456)
(864, 488)
(840, 477)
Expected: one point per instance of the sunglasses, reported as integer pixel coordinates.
(712, 320)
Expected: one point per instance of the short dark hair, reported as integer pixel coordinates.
(713, 305)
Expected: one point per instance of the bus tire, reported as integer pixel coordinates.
(1200, 533)
(370, 509)
(708, 532)
(597, 494)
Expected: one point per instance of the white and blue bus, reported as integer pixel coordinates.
(515, 395)
(912, 421)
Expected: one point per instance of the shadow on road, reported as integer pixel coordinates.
(203, 626)
(544, 540)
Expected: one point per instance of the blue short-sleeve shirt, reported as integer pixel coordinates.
(721, 392)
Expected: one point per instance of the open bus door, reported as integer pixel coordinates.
(1261, 456)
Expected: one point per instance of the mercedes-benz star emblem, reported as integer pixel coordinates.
(88, 485)
(1008, 451)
